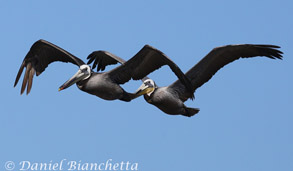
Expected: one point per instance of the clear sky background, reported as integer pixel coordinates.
(245, 122)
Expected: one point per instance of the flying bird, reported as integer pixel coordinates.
(103, 84)
(170, 99)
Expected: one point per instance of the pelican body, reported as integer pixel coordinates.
(168, 102)
(164, 98)
(105, 85)
(170, 99)
(104, 88)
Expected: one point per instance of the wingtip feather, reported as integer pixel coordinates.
(25, 79)
(30, 80)
(19, 73)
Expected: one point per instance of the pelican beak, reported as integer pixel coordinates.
(143, 89)
(74, 79)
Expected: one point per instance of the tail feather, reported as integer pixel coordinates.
(190, 111)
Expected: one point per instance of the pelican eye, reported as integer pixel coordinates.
(147, 83)
(84, 69)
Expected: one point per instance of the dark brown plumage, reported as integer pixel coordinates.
(40, 55)
(140, 65)
(104, 85)
(218, 58)
(171, 99)
(102, 59)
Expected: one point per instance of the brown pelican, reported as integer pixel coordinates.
(171, 99)
(104, 85)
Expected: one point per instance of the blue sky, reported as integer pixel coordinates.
(245, 122)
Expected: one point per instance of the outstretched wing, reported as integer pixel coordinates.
(147, 60)
(40, 55)
(102, 59)
(218, 58)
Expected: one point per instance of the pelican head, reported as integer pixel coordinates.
(147, 87)
(83, 73)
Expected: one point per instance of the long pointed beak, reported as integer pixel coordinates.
(74, 79)
(143, 89)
